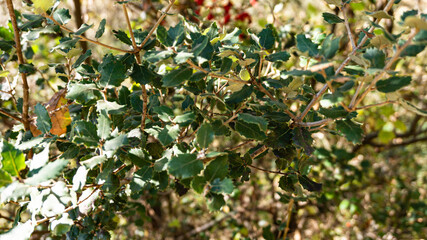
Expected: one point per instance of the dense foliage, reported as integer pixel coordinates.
(196, 111)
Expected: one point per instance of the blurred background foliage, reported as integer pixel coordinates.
(375, 190)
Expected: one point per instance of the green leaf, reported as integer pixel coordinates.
(142, 75)
(198, 45)
(266, 38)
(302, 138)
(278, 57)
(412, 50)
(5, 178)
(240, 96)
(309, 184)
(376, 57)
(113, 144)
(222, 186)
(185, 165)
(198, 184)
(330, 46)
(232, 38)
(86, 133)
(101, 29)
(352, 131)
(83, 28)
(393, 83)
(176, 77)
(82, 58)
(62, 16)
(411, 107)
(306, 45)
(50, 171)
(332, 18)
(93, 161)
(177, 34)
(182, 57)
(379, 14)
(113, 72)
(334, 112)
(122, 36)
(217, 169)
(205, 135)
(85, 94)
(260, 121)
(110, 107)
(27, 68)
(162, 36)
(44, 123)
(185, 119)
(104, 125)
(13, 160)
(216, 202)
(165, 135)
(249, 130)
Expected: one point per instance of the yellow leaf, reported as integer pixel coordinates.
(334, 2)
(4, 73)
(244, 75)
(246, 62)
(43, 5)
(380, 41)
(416, 22)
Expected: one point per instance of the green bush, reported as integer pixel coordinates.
(193, 112)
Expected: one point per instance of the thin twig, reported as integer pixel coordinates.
(375, 105)
(341, 67)
(21, 60)
(347, 26)
(83, 38)
(290, 206)
(156, 25)
(239, 146)
(10, 115)
(314, 124)
(138, 60)
(386, 67)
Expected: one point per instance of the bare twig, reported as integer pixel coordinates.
(375, 105)
(83, 38)
(290, 206)
(21, 60)
(386, 67)
(347, 26)
(10, 115)
(157, 24)
(341, 67)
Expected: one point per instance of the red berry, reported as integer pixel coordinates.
(199, 2)
(228, 7)
(227, 18)
(243, 16)
(210, 16)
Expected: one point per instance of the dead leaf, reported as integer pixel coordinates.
(59, 115)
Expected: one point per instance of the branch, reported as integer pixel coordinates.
(341, 67)
(386, 67)
(10, 115)
(138, 60)
(21, 60)
(314, 124)
(347, 26)
(375, 105)
(83, 38)
(156, 25)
